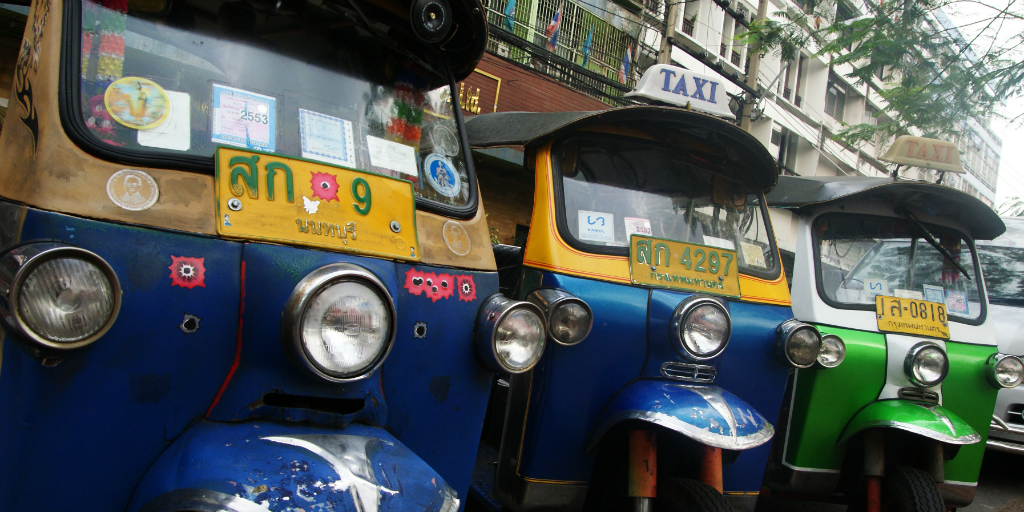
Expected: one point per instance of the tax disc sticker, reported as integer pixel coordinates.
(137, 102)
(441, 175)
(132, 190)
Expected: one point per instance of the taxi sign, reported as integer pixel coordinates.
(927, 153)
(262, 196)
(683, 266)
(911, 316)
(684, 88)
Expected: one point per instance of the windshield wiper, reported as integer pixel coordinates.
(931, 240)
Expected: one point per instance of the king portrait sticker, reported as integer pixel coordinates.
(137, 102)
(132, 190)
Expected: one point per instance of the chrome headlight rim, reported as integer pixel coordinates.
(549, 300)
(990, 370)
(310, 287)
(494, 310)
(18, 264)
(785, 333)
(680, 316)
(908, 364)
(842, 352)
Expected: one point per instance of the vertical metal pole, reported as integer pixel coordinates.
(755, 67)
(643, 468)
(711, 468)
(874, 467)
(671, 16)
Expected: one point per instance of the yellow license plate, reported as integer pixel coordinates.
(683, 266)
(262, 196)
(911, 316)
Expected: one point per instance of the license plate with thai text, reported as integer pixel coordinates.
(683, 266)
(911, 316)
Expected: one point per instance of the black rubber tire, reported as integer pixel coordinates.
(686, 495)
(911, 490)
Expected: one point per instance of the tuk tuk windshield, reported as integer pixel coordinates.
(657, 190)
(860, 257)
(319, 80)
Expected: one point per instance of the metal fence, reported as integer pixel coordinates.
(527, 44)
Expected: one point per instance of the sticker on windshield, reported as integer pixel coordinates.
(753, 256)
(444, 140)
(137, 102)
(934, 294)
(176, 132)
(596, 226)
(873, 287)
(956, 302)
(441, 175)
(722, 243)
(244, 119)
(326, 139)
(907, 294)
(392, 156)
(638, 226)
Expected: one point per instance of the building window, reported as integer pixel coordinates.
(835, 99)
(869, 115)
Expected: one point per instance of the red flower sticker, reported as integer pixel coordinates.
(187, 272)
(467, 288)
(435, 286)
(325, 186)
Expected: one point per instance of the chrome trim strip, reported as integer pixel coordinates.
(921, 431)
(349, 458)
(1005, 446)
(964, 484)
(200, 500)
(305, 291)
(809, 470)
(674, 370)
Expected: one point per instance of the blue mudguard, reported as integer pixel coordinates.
(707, 414)
(241, 467)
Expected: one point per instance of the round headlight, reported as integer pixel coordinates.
(509, 334)
(832, 352)
(701, 325)
(569, 318)
(339, 323)
(926, 365)
(59, 296)
(1004, 371)
(798, 344)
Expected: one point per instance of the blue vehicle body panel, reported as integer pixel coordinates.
(288, 467)
(750, 370)
(706, 413)
(117, 404)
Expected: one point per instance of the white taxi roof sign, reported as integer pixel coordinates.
(921, 152)
(682, 87)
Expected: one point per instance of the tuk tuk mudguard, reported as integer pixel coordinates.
(926, 420)
(269, 466)
(707, 414)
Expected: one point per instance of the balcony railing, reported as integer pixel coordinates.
(688, 27)
(736, 59)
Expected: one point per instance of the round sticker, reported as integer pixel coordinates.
(442, 176)
(456, 238)
(137, 102)
(132, 190)
(445, 141)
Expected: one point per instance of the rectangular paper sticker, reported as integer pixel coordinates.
(908, 294)
(244, 119)
(752, 255)
(392, 156)
(873, 287)
(597, 226)
(636, 225)
(956, 302)
(721, 243)
(326, 138)
(934, 294)
(176, 131)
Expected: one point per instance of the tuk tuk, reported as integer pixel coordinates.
(241, 255)
(890, 270)
(651, 253)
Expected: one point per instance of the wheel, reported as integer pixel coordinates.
(686, 495)
(911, 490)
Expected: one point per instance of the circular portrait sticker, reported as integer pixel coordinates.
(441, 175)
(132, 190)
(137, 102)
(444, 140)
(456, 238)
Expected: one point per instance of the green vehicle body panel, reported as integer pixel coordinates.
(913, 417)
(826, 399)
(830, 403)
(967, 391)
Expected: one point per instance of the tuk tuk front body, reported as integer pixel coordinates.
(629, 206)
(863, 259)
(228, 283)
